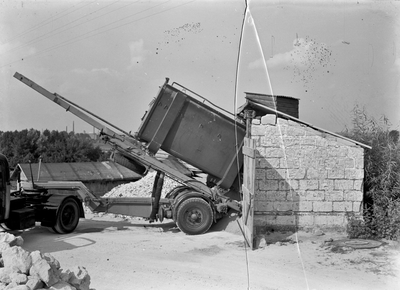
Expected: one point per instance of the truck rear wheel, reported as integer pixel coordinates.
(67, 218)
(194, 216)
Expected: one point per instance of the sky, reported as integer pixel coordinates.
(111, 57)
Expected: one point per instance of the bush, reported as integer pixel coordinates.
(381, 214)
(380, 220)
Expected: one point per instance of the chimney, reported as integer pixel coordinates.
(284, 104)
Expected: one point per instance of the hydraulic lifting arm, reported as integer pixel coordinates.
(78, 111)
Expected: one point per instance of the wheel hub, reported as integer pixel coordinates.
(194, 217)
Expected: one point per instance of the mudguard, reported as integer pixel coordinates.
(49, 211)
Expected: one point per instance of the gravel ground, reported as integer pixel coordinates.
(133, 254)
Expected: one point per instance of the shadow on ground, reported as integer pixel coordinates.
(227, 223)
(46, 240)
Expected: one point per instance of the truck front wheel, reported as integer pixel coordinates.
(194, 216)
(67, 218)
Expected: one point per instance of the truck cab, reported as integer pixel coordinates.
(21, 209)
(4, 188)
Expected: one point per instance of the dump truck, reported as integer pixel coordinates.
(178, 121)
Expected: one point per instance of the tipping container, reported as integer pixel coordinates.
(197, 133)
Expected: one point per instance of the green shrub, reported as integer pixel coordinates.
(381, 214)
(380, 220)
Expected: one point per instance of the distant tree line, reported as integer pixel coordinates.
(49, 146)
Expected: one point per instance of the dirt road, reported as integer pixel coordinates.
(132, 254)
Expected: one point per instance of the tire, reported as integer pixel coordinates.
(194, 216)
(7, 226)
(132, 165)
(67, 218)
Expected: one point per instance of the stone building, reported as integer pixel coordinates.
(305, 177)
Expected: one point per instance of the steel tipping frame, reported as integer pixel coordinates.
(131, 148)
(130, 206)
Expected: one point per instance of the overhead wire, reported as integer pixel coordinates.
(56, 31)
(236, 129)
(47, 21)
(86, 35)
(282, 140)
(337, 114)
(249, 18)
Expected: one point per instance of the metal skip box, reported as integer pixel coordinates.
(194, 132)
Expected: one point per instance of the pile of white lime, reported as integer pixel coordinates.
(142, 188)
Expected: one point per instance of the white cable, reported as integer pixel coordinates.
(251, 20)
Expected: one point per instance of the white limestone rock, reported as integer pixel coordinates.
(5, 276)
(34, 283)
(80, 278)
(54, 263)
(18, 278)
(17, 287)
(43, 270)
(4, 246)
(17, 258)
(11, 239)
(62, 286)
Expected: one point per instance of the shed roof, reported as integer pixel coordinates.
(261, 110)
(79, 171)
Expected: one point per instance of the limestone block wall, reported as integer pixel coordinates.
(305, 178)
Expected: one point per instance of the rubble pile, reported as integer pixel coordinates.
(23, 270)
(142, 187)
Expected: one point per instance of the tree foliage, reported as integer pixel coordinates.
(381, 216)
(31, 145)
(382, 162)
